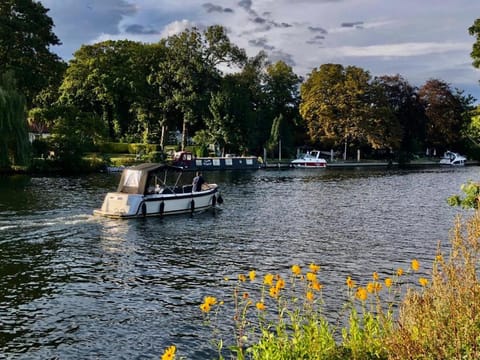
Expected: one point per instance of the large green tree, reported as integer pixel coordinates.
(190, 73)
(446, 112)
(14, 144)
(104, 79)
(25, 39)
(474, 30)
(341, 105)
(403, 100)
(282, 93)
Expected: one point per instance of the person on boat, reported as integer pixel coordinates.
(198, 181)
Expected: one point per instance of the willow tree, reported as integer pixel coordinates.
(14, 144)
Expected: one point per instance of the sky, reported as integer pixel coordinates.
(418, 39)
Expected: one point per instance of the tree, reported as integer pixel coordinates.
(103, 79)
(336, 104)
(403, 100)
(190, 73)
(283, 98)
(446, 114)
(474, 30)
(14, 144)
(25, 39)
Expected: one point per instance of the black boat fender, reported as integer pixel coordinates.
(144, 209)
(220, 199)
(214, 200)
(161, 208)
(192, 206)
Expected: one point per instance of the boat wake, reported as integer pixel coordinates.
(35, 223)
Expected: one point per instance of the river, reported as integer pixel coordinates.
(74, 286)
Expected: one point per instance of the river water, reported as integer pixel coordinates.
(74, 286)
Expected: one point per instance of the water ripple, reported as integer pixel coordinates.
(76, 286)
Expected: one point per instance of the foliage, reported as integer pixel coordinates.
(25, 39)
(189, 73)
(14, 145)
(282, 96)
(103, 79)
(446, 114)
(343, 105)
(74, 133)
(407, 110)
(474, 30)
(471, 198)
(443, 321)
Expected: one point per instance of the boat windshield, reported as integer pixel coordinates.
(131, 181)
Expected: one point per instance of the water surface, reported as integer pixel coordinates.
(76, 286)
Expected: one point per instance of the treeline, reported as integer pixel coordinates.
(206, 87)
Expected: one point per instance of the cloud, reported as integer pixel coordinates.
(139, 30)
(317, 29)
(210, 8)
(401, 50)
(262, 43)
(356, 24)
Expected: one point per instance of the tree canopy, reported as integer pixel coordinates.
(14, 145)
(25, 39)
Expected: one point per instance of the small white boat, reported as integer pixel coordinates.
(452, 158)
(155, 190)
(311, 159)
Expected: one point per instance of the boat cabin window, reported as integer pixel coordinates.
(131, 181)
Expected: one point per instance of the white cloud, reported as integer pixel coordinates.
(400, 50)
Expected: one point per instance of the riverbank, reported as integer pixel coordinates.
(370, 164)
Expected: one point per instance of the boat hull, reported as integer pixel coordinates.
(309, 164)
(124, 206)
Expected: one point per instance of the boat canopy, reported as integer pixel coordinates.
(137, 179)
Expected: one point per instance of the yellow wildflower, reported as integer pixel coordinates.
(361, 294)
(273, 292)
(371, 287)
(311, 276)
(210, 300)
(296, 270)
(268, 279)
(314, 268)
(280, 284)
(388, 282)
(350, 282)
(169, 353)
(242, 277)
(205, 307)
(310, 296)
(399, 272)
(375, 276)
(316, 286)
(423, 281)
(260, 306)
(252, 275)
(415, 265)
(439, 258)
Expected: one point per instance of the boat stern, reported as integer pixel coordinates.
(118, 205)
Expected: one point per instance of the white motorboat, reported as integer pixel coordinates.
(311, 159)
(155, 190)
(452, 158)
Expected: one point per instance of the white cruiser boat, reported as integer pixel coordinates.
(311, 159)
(452, 158)
(155, 190)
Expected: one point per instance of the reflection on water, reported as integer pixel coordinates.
(76, 286)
